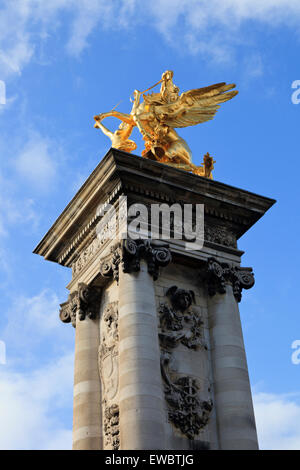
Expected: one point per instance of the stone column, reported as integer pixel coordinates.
(233, 400)
(87, 398)
(140, 394)
(82, 310)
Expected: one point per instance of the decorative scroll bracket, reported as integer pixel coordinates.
(216, 275)
(129, 253)
(85, 301)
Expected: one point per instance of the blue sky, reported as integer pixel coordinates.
(64, 61)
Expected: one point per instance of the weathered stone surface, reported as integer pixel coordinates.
(217, 275)
(85, 302)
(158, 365)
(129, 253)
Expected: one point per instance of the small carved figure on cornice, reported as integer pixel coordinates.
(129, 252)
(216, 275)
(85, 302)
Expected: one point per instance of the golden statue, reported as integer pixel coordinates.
(159, 114)
(119, 138)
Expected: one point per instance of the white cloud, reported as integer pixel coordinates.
(30, 405)
(253, 66)
(215, 28)
(36, 163)
(36, 401)
(89, 14)
(212, 28)
(33, 324)
(25, 23)
(13, 211)
(230, 13)
(37, 313)
(277, 421)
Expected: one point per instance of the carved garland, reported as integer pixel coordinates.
(111, 427)
(129, 252)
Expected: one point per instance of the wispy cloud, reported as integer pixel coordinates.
(32, 326)
(36, 163)
(13, 211)
(278, 421)
(30, 406)
(212, 29)
(215, 29)
(26, 23)
(36, 384)
(29, 319)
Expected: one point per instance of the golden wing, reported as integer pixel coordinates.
(195, 106)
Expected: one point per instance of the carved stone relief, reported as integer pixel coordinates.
(85, 256)
(180, 323)
(108, 352)
(187, 412)
(219, 234)
(109, 372)
(111, 427)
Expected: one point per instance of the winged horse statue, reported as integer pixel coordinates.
(157, 115)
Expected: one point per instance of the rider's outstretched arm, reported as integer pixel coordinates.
(104, 129)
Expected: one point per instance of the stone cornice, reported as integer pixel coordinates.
(160, 197)
(121, 173)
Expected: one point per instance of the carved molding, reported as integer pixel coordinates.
(179, 323)
(85, 256)
(129, 253)
(85, 301)
(219, 234)
(87, 228)
(213, 232)
(216, 275)
(220, 212)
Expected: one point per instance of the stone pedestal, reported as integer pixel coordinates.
(160, 361)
